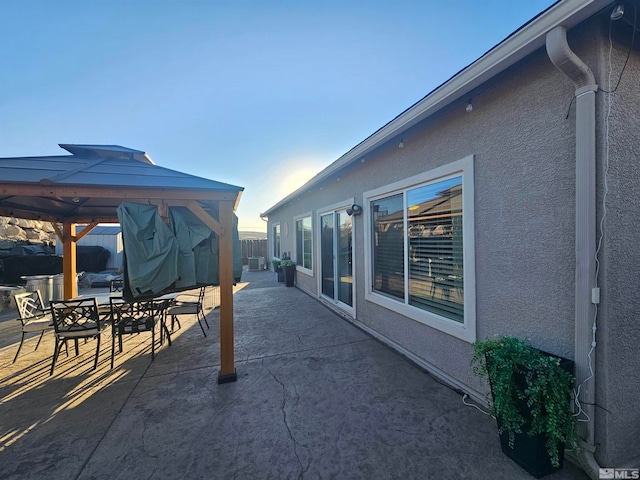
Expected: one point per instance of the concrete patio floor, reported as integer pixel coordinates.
(315, 398)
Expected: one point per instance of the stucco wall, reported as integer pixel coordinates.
(523, 214)
(524, 149)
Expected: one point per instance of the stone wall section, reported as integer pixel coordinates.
(18, 231)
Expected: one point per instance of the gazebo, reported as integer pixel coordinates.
(87, 186)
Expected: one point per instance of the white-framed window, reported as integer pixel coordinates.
(420, 248)
(276, 240)
(304, 242)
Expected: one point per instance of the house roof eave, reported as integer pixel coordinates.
(524, 41)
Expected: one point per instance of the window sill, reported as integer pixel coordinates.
(445, 325)
(306, 271)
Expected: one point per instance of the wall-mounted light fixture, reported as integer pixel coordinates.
(354, 210)
(469, 107)
(401, 144)
(617, 12)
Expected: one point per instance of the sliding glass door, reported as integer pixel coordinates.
(327, 253)
(336, 250)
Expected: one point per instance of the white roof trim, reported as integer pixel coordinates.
(514, 48)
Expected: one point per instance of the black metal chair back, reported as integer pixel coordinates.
(189, 308)
(116, 285)
(133, 318)
(73, 320)
(33, 316)
(30, 305)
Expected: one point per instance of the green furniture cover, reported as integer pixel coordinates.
(162, 258)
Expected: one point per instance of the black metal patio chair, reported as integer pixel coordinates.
(33, 316)
(134, 318)
(189, 308)
(73, 320)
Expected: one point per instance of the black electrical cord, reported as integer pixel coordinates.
(633, 39)
(569, 109)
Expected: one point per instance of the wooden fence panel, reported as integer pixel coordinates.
(253, 248)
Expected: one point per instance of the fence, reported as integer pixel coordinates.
(253, 248)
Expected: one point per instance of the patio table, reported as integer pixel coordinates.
(104, 308)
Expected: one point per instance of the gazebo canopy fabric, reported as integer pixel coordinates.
(164, 258)
(89, 185)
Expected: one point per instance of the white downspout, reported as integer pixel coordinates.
(585, 236)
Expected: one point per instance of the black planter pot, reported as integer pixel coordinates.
(289, 275)
(280, 275)
(530, 451)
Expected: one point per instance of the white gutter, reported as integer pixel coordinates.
(585, 236)
(514, 48)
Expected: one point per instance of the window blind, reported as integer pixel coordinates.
(388, 246)
(434, 218)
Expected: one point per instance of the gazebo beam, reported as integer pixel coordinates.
(227, 367)
(202, 214)
(69, 268)
(128, 193)
(86, 230)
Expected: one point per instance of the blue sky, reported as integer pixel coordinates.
(261, 94)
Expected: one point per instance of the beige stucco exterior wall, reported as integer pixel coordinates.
(524, 206)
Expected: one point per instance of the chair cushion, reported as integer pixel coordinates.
(38, 324)
(75, 332)
(184, 309)
(134, 325)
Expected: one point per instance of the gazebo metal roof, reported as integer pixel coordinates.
(89, 184)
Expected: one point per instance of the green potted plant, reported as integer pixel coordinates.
(289, 268)
(530, 399)
(278, 270)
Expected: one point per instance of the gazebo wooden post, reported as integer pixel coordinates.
(227, 368)
(69, 260)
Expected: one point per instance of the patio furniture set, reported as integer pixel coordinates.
(87, 316)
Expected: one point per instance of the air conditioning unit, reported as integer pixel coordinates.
(256, 263)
